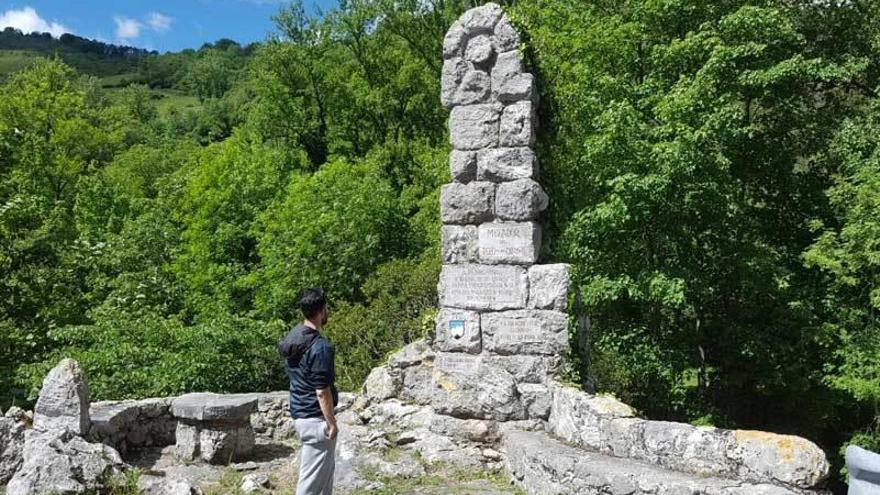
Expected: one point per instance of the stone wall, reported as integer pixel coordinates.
(131, 425)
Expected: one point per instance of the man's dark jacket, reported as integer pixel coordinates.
(310, 367)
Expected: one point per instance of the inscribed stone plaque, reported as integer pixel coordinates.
(509, 242)
(469, 286)
(525, 332)
(455, 363)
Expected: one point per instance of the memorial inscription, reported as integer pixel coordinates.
(483, 287)
(509, 242)
(525, 332)
(457, 363)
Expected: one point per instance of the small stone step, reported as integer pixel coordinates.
(540, 464)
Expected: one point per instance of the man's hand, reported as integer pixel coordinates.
(325, 400)
(332, 430)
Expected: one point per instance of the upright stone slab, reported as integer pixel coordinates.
(498, 339)
(64, 400)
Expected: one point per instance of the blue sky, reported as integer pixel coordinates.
(164, 25)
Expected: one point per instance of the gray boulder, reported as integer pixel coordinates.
(60, 462)
(64, 400)
(11, 446)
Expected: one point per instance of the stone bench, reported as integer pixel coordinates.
(214, 428)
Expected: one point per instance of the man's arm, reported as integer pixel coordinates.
(325, 400)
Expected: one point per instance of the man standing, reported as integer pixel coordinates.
(313, 394)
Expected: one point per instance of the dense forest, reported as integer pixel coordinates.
(713, 167)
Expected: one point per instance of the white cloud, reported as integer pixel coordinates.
(127, 28)
(28, 21)
(159, 22)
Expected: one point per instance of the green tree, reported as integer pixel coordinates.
(332, 228)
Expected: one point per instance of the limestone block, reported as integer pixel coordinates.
(463, 166)
(548, 286)
(509, 83)
(12, 434)
(475, 88)
(472, 430)
(483, 287)
(224, 445)
(505, 164)
(538, 463)
(381, 384)
(451, 78)
(187, 446)
(537, 399)
(518, 124)
(458, 330)
(212, 407)
(459, 243)
(59, 461)
(482, 18)
(453, 42)
(509, 242)
(64, 400)
(505, 35)
(783, 458)
(464, 388)
(519, 200)
(603, 424)
(526, 368)
(479, 50)
(864, 471)
(525, 332)
(467, 203)
(472, 127)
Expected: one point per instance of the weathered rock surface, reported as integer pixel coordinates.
(463, 165)
(213, 407)
(504, 164)
(605, 425)
(541, 465)
(472, 127)
(517, 124)
(64, 400)
(519, 200)
(548, 286)
(133, 424)
(12, 433)
(525, 332)
(467, 203)
(60, 462)
(459, 243)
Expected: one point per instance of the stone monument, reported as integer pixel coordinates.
(501, 326)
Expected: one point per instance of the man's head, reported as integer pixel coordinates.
(313, 304)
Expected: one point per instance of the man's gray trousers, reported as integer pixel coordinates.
(317, 457)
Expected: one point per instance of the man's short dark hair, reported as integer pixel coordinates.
(312, 301)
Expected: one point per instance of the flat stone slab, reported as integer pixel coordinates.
(540, 465)
(483, 287)
(214, 407)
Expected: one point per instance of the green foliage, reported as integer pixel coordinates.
(132, 356)
(332, 228)
(400, 294)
